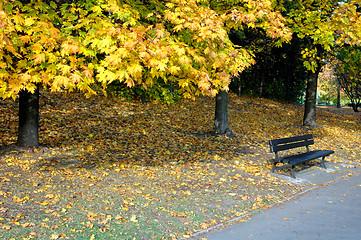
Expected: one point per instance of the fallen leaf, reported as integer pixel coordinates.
(54, 236)
(133, 218)
(24, 225)
(92, 216)
(6, 227)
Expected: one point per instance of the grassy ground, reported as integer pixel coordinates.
(110, 169)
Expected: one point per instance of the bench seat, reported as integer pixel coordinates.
(283, 144)
(305, 157)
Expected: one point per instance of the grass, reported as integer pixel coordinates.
(110, 169)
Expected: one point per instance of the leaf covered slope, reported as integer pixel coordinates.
(114, 169)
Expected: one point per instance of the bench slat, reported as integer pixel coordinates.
(304, 157)
(291, 145)
(291, 139)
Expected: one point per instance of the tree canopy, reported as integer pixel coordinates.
(76, 45)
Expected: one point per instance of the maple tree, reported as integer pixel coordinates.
(86, 45)
(241, 16)
(78, 45)
(325, 26)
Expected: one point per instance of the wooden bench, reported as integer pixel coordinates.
(283, 144)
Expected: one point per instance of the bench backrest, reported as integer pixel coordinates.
(281, 144)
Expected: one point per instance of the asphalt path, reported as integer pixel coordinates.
(331, 212)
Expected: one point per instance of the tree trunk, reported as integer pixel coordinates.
(338, 96)
(221, 125)
(354, 106)
(144, 102)
(28, 132)
(309, 118)
(261, 85)
(239, 87)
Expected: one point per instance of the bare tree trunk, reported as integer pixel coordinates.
(221, 125)
(28, 132)
(142, 97)
(309, 118)
(338, 96)
(355, 106)
(261, 85)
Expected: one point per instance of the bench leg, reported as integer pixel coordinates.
(274, 167)
(323, 163)
(293, 172)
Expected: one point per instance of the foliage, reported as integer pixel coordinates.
(329, 86)
(73, 45)
(160, 91)
(349, 74)
(278, 72)
(319, 29)
(324, 25)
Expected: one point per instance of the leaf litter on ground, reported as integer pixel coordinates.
(119, 170)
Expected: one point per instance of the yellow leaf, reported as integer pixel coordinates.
(24, 225)
(61, 81)
(49, 196)
(29, 21)
(135, 70)
(75, 78)
(244, 198)
(130, 82)
(178, 28)
(39, 58)
(185, 60)
(65, 69)
(69, 47)
(54, 236)
(25, 38)
(174, 69)
(133, 218)
(6, 227)
(91, 216)
(20, 200)
(44, 203)
(113, 59)
(5, 179)
(159, 33)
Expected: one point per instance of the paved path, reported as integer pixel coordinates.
(331, 212)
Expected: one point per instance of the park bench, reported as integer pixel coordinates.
(291, 160)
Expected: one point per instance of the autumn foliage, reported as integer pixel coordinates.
(76, 45)
(109, 167)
